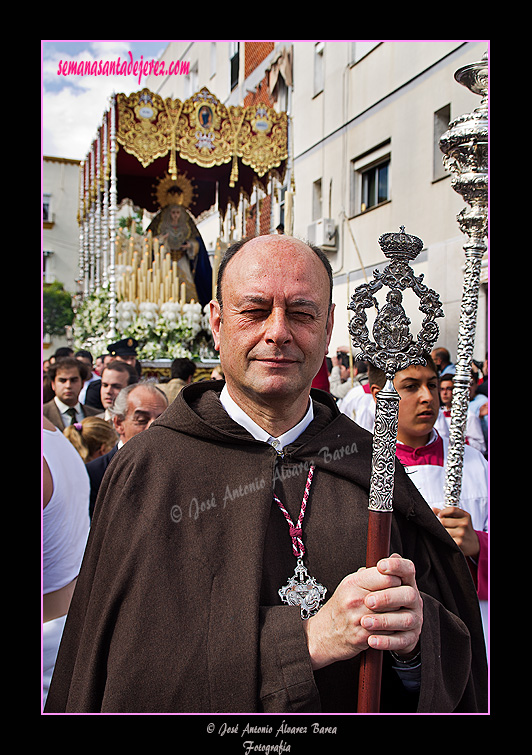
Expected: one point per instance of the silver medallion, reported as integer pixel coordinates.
(302, 590)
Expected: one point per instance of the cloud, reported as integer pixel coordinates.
(73, 106)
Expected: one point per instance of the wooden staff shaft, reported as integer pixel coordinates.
(369, 682)
(379, 526)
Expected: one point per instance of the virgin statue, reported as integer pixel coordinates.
(175, 229)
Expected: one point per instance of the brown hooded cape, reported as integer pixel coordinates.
(176, 606)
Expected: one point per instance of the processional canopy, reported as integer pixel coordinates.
(175, 160)
(209, 151)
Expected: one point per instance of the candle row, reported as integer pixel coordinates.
(147, 274)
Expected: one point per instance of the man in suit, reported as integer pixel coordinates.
(67, 376)
(102, 393)
(133, 411)
(122, 356)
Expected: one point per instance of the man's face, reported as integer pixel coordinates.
(112, 383)
(275, 326)
(436, 358)
(67, 385)
(143, 407)
(418, 408)
(446, 392)
(127, 358)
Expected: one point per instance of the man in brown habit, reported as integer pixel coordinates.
(203, 522)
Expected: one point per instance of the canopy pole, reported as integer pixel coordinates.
(112, 223)
(465, 148)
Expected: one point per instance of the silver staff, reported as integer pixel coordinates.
(465, 149)
(394, 349)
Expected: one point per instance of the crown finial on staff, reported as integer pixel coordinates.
(400, 245)
(394, 347)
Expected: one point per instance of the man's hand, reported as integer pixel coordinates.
(378, 607)
(458, 524)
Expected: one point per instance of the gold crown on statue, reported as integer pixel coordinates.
(179, 190)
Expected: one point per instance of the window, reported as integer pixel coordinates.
(234, 58)
(370, 179)
(318, 67)
(282, 94)
(282, 203)
(442, 118)
(212, 61)
(191, 80)
(374, 186)
(46, 208)
(47, 271)
(316, 200)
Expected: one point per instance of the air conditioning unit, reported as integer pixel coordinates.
(323, 233)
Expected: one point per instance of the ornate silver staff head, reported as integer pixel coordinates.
(394, 347)
(465, 156)
(465, 153)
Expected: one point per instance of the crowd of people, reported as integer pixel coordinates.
(350, 385)
(272, 331)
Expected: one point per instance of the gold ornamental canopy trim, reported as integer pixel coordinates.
(202, 131)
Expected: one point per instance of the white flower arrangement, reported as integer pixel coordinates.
(168, 332)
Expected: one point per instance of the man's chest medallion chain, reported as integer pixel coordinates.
(301, 589)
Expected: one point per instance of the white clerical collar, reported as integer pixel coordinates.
(432, 437)
(238, 415)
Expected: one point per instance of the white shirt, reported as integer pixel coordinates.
(359, 406)
(238, 415)
(65, 520)
(474, 434)
(428, 473)
(63, 408)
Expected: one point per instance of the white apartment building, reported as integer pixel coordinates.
(365, 117)
(60, 225)
(60, 234)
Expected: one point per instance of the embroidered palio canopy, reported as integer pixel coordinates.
(175, 160)
(200, 150)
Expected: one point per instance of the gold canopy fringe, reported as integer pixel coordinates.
(202, 130)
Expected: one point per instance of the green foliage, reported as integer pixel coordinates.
(57, 309)
(134, 221)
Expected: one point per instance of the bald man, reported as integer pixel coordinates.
(225, 569)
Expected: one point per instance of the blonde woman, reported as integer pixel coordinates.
(92, 437)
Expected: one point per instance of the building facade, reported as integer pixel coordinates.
(365, 123)
(365, 119)
(60, 234)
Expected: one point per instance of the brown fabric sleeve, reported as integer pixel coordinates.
(286, 680)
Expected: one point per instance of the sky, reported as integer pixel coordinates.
(73, 106)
